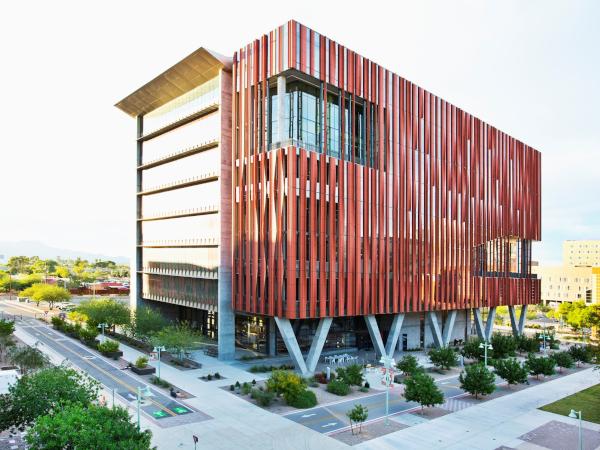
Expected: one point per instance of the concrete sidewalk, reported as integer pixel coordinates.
(492, 423)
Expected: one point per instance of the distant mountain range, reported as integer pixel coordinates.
(36, 248)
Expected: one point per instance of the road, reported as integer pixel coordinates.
(332, 417)
(160, 408)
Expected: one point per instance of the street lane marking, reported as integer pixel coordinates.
(330, 424)
(304, 416)
(121, 382)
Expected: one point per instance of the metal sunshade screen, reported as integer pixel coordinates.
(439, 187)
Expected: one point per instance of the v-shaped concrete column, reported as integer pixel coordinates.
(484, 333)
(373, 327)
(441, 336)
(316, 347)
(517, 328)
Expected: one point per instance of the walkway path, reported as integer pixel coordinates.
(490, 424)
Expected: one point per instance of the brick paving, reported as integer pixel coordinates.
(556, 435)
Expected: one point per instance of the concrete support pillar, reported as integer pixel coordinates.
(484, 333)
(272, 337)
(489, 326)
(394, 334)
(316, 347)
(375, 335)
(449, 327)
(291, 343)
(434, 326)
(517, 326)
(281, 91)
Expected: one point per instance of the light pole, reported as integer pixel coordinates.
(486, 346)
(158, 349)
(142, 393)
(388, 365)
(102, 326)
(574, 415)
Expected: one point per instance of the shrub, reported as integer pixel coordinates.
(282, 381)
(237, 384)
(443, 357)
(232, 388)
(218, 377)
(352, 375)
(260, 368)
(108, 346)
(562, 360)
(301, 399)
(367, 385)
(477, 379)
(253, 382)
(408, 365)
(364, 389)
(262, 398)
(209, 377)
(141, 362)
(527, 344)
(504, 346)
(540, 365)
(338, 387)
(322, 377)
(88, 334)
(57, 323)
(159, 382)
(246, 388)
(511, 370)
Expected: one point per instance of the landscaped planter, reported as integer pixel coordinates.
(114, 355)
(144, 370)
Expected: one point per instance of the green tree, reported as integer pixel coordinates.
(105, 310)
(580, 354)
(540, 365)
(563, 310)
(147, 321)
(472, 350)
(421, 388)
(91, 427)
(19, 264)
(177, 338)
(28, 358)
(357, 415)
(62, 272)
(443, 357)
(408, 365)
(527, 344)
(476, 379)
(46, 293)
(41, 392)
(511, 370)
(562, 360)
(503, 346)
(7, 341)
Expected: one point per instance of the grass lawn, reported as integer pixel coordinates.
(588, 401)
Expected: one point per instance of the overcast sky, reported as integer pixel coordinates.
(531, 68)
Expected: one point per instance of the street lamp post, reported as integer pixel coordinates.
(486, 346)
(102, 326)
(158, 349)
(577, 415)
(388, 365)
(142, 393)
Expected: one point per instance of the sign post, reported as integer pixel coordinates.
(387, 380)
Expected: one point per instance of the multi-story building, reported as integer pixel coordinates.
(352, 207)
(581, 253)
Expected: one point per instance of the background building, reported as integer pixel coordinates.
(581, 253)
(577, 279)
(365, 211)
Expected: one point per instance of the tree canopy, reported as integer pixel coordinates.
(476, 379)
(46, 293)
(81, 427)
(105, 310)
(421, 388)
(177, 338)
(41, 392)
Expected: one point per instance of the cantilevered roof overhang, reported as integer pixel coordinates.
(191, 71)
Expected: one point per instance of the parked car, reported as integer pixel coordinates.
(67, 307)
